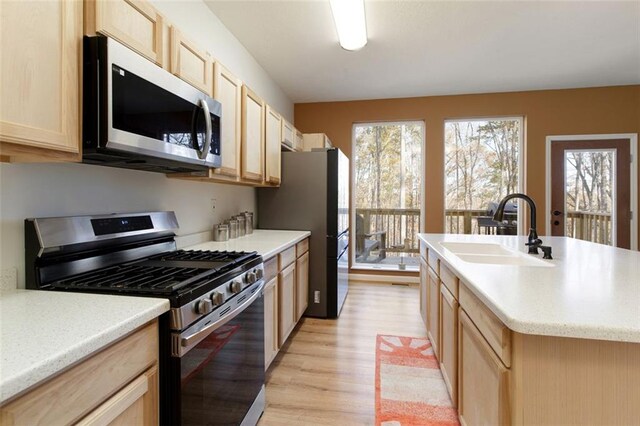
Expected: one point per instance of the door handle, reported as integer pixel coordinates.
(557, 213)
(208, 132)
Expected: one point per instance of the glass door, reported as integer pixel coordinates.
(387, 187)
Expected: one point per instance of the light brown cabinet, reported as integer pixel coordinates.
(271, 344)
(118, 385)
(286, 302)
(424, 289)
(135, 23)
(302, 284)
(288, 134)
(253, 114)
(449, 341)
(316, 140)
(483, 392)
(299, 140)
(273, 128)
(40, 78)
(190, 63)
(433, 311)
(228, 91)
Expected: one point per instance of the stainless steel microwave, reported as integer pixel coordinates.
(137, 115)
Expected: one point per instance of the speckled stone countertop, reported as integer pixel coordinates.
(592, 291)
(266, 242)
(44, 332)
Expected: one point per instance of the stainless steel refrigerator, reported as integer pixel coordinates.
(314, 196)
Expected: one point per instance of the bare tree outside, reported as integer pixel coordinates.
(388, 180)
(589, 188)
(481, 167)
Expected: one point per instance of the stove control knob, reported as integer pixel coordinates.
(250, 278)
(259, 273)
(235, 287)
(217, 298)
(204, 306)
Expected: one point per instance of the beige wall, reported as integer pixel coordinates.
(548, 112)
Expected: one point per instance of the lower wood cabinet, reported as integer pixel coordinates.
(287, 302)
(271, 344)
(118, 385)
(302, 285)
(483, 393)
(433, 311)
(424, 272)
(449, 341)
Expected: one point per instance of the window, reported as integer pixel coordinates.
(387, 194)
(483, 163)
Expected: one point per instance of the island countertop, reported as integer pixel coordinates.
(592, 291)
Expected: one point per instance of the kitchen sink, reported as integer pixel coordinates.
(493, 254)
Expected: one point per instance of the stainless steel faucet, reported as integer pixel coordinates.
(533, 241)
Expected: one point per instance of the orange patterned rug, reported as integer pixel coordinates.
(410, 390)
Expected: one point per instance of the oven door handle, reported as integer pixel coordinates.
(198, 335)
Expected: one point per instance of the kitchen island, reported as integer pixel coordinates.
(522, 340)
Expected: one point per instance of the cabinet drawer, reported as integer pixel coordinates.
(423, 250)
(497, 335)
(270, 268)
(76, 392)
(433, 261)
(286, 257)
(449, 280)
(302, 247)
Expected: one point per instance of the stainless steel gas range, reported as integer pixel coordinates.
(212, 339)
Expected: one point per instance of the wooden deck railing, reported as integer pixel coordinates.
(589, 226)
(401, 225)
(460, 221)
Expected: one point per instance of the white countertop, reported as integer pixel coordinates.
(265, 241)
(44, 332)
(592, 292)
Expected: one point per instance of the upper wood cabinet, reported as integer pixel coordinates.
(272, 146)
(190, 63)
(135, 23)
(227, 89)
(299, 140)
(40, 78)
(253, 108)
(316, 140)
(287, 133)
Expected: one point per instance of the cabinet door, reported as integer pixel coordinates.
(286, 302)
(287, 134)
(252, 152)
(272, 143)
(299, 140)
(483, 381)
(424, 289)
(302, 285)
(190, 63)
(134, 23)
(40, 80)
(449, 341)
(270, 321)
(433, 311)
(228, 91)
(135, 404)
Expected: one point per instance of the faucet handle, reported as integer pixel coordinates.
(546, 250)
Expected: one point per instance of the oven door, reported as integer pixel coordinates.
(152, 112)
(217, 367)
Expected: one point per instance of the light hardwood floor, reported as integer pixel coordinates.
(325, 373)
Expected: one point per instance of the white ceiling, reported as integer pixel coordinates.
(419, 48)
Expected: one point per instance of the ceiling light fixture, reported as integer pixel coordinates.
(350, 23)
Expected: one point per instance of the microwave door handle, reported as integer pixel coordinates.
(208, 133)
(187, 341)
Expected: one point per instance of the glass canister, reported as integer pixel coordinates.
(242, 230)
(221, 232)
(233, 228)
(248, 225)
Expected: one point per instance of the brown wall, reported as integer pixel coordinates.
(545, 112)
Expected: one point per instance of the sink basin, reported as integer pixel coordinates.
(475, 248)
(515, 260)
(492, 254)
